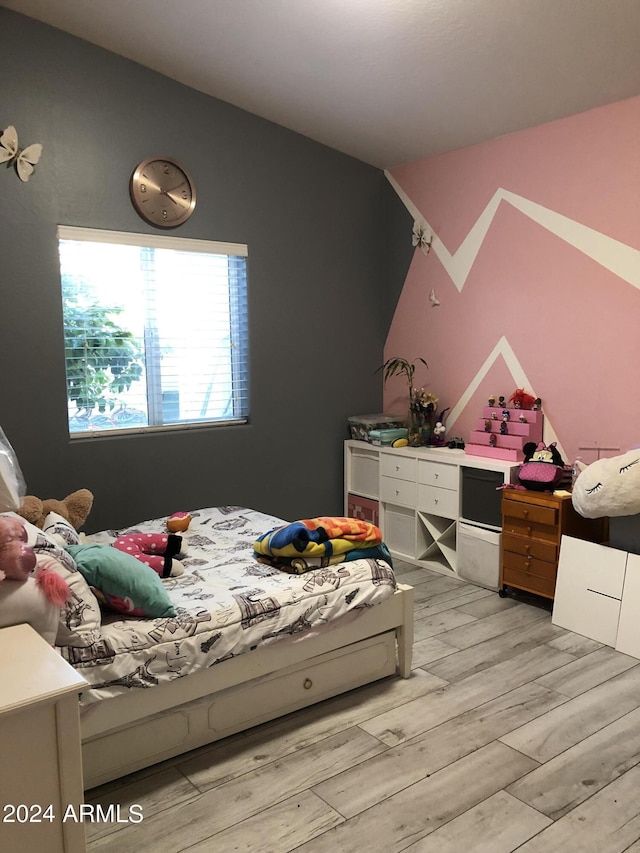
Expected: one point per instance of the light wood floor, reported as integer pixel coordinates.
(511, 734)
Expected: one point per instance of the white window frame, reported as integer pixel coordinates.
(156, 241)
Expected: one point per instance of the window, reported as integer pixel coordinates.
(155, 331)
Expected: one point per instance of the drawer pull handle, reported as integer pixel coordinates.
(397, 492)
(437, 475)
(436, 500)
(307, 684)
(525, 512)
(529, 529)
(397, 467)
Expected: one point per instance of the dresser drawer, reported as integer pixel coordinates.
(546, 515)
(402, 468)
(438, 474)
(443, 502)
(529, 529)
(530, 547)
(396, 491)
(527, 581)
(529, 565)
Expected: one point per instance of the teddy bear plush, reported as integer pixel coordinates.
(74, 508)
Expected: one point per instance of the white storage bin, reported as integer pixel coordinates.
(479, 555)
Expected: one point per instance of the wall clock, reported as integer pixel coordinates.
(162, 192)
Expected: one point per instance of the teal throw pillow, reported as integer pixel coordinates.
(121, 582)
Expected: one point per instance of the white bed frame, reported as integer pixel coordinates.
(133, 731)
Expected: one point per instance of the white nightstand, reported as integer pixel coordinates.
(40, 753)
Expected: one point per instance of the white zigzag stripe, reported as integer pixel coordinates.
(502, 348)
(619, 258)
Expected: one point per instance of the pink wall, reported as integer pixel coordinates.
(553, 282)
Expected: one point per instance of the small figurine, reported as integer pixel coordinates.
(487, 425)
(501, 402)
(522, 418)
(506, 414)
(537, 404)
(517, 405)
(493, 440)
(494, 417)
(492, 400)
(503, 428)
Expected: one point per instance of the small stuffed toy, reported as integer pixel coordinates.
(74, 508)
(522, 400)
(609, 487)
(178, 522)
(156, 550)
(543, 467)
(18, 561)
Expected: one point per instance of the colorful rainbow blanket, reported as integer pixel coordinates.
(318, 542)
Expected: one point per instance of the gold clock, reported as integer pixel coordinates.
(162, 192)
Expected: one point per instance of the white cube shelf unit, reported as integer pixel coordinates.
(419, 493)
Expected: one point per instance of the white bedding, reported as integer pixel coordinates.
(227, 603)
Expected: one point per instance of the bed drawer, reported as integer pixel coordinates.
(277, 694)
(193, 724)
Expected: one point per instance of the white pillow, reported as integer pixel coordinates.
(58, 528)
(80, 619)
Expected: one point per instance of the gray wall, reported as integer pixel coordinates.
(326, 265)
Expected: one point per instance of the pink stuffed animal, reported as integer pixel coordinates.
(156, 550)
(18, 561)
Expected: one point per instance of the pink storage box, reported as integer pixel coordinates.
(363, 508)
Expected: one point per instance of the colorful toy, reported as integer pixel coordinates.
(17, 559)
(521, 400)
(543, 467)
(178, 522)
(18, 562)
(156, 550)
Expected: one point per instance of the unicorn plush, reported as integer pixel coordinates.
(609, 486)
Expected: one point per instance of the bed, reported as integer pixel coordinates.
(248, 643)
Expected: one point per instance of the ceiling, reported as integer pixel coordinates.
(386, 81)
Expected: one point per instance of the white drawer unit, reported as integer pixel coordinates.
(589, 588)
(419, 494)
(442, 502)
(399, 467)
(397, 491)
(439, 475)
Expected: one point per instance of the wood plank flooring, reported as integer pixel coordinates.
(511, 734)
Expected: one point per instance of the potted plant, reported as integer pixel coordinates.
(406, 368)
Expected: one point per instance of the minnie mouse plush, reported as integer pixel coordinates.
(543, 467)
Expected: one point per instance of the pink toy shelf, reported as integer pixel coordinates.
(507, 446)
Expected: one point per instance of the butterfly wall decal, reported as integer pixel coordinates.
(24, 160)
(421, 238)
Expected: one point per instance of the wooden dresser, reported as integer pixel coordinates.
(532, 526)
